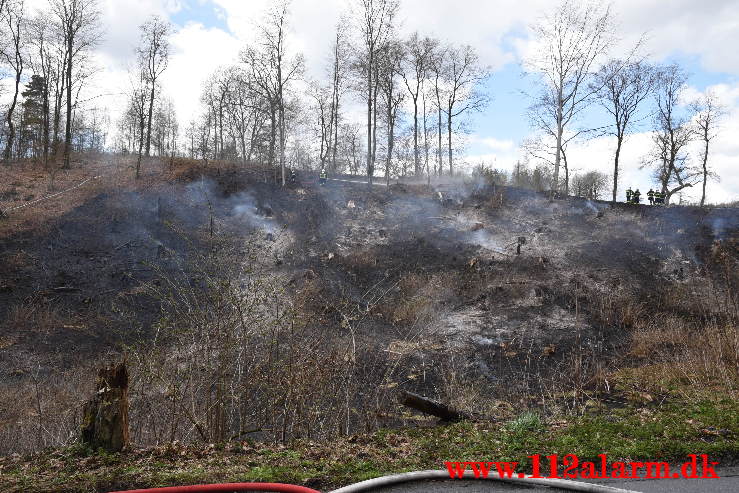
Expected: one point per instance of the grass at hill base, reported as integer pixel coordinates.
(668, 432)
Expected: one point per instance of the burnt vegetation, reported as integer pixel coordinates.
(251, 311)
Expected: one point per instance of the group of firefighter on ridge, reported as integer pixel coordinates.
(322, 177)
(655, 197)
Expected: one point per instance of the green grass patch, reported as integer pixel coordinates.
(669, 432)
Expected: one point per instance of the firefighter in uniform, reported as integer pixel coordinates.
(322, 177)
(650, 195)
(628, 195)
(659, 198)
(636, 197)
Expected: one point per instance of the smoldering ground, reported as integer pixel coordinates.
(433, 280)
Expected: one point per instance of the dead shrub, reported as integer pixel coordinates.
(40, 406)
(230, 360)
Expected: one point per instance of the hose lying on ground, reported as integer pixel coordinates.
(565, 484)
(227, 487)
(373, 484)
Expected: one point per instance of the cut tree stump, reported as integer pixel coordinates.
(105, 415)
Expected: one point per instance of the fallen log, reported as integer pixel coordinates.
(428, 406)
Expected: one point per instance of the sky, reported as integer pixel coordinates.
(701, 36)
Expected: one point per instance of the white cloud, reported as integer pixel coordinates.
(121, 21)
(196, 53)
(492, 143)
(708, 29)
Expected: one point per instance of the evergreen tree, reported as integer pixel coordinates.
(34, 110)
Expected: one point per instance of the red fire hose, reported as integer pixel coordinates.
(227, 487)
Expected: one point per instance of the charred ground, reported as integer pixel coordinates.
(485, 297)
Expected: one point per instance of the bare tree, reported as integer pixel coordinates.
(375, 25)
(390, 59)
(571, 41)
(285, 70)
(708, 112)
(243, 108)
(153, 54)
(622, 87)
(338, 81)
(12, 53)
(58, 81)
(464, 77)
(542, 150)
(78, 22)
(137, 104)
(262, 81)
(414, 67)
(437, 66)
(43, 63)
(323, 105)
(672, 134)
(590, 185)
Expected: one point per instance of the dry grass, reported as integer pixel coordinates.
(694, 357)
(23, 182)
(415, 300)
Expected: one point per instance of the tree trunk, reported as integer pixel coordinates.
(272, 135)
(148, 123)
(252, 139)
(390, 132)
(282, 143)
(281, 107)
(705, 173)
(141, 145)
(243, 148)
(426, 142)
(105, 415)
(220, 127)
(11, 125)
(57, 116)
(567, 174)
(68, 125)
(615, 167)
(335, 104)
(560, 131)
(440, 150)
(336, 135)
(449, 141)
(374, 122)
(370, 163)
(416, 158)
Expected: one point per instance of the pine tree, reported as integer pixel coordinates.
(34, 111)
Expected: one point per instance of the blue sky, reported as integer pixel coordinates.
(203, 12)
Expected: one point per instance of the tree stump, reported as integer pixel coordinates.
(105, 415)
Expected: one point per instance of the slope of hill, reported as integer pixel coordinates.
(252, 312)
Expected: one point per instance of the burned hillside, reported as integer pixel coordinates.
(252, 310)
